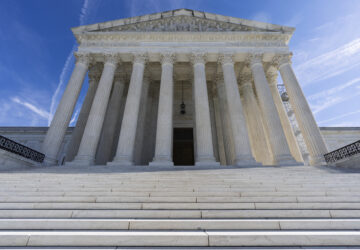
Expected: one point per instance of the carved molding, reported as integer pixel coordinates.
(115, 39)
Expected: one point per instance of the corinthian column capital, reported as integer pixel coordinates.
(198, 57)
(272, 75)
(282, 59)
(83, 57)
(226, 58)
(140, 58)
(167, 58)
(245, 76)
(254, 58)
(111, 58)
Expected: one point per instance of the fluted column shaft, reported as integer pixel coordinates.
(204, 144)
(272, 74)
(243, 155)
(111, 120)
(60, 122)
(125, 148)
(309, 129)
(91, 136)
(78, 132)
(164, 130)
(279, 146)
(225, 121)
(257, 134)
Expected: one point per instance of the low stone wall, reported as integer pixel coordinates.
(11, 161)
(335, 137)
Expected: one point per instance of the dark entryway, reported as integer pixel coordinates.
(183, 148)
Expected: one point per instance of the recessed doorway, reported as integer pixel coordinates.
(183, 148)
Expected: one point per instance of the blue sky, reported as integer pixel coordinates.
(36, 47)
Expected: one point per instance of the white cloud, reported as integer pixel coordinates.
(330, 101)
(85, 11)
(37, 110)
(334, 90)
(340, 116)
(330, 64)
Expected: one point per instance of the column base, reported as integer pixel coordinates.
(317, 160)
(162, 161)
(121, 161)
(48, 161)
(286, 160)
(207, 164)
(81, 161)
(246, 161)
(161, 164)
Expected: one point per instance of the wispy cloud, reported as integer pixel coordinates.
(340, 116)
(330, 64)
(37, 110)
(334, 90)
(83, 18)
(330, 101)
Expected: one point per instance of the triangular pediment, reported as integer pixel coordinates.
(182, 20)
(182, 23)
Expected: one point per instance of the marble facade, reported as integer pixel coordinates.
(223, 69)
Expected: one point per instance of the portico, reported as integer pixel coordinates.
(222, 69)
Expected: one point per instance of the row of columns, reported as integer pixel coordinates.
(91, 120)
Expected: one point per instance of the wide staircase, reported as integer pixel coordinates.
(244, 208)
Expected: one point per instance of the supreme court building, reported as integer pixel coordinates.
(183, 87)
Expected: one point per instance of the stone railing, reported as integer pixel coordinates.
(343, 153)
(16, 148)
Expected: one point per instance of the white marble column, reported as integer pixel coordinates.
(279, 146)
(243, 154)
(164, 130)
(225, 120)
(125, 148)
(218, 126)
(204, 145)
(60, 122)
(257, 134)
(313, 139)
(78, 131)
(272, 75)
(91, 136)
(111, 120)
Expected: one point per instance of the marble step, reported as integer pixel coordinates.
(179, 238)
(177, 206)
(179, 224)
(210, 214)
